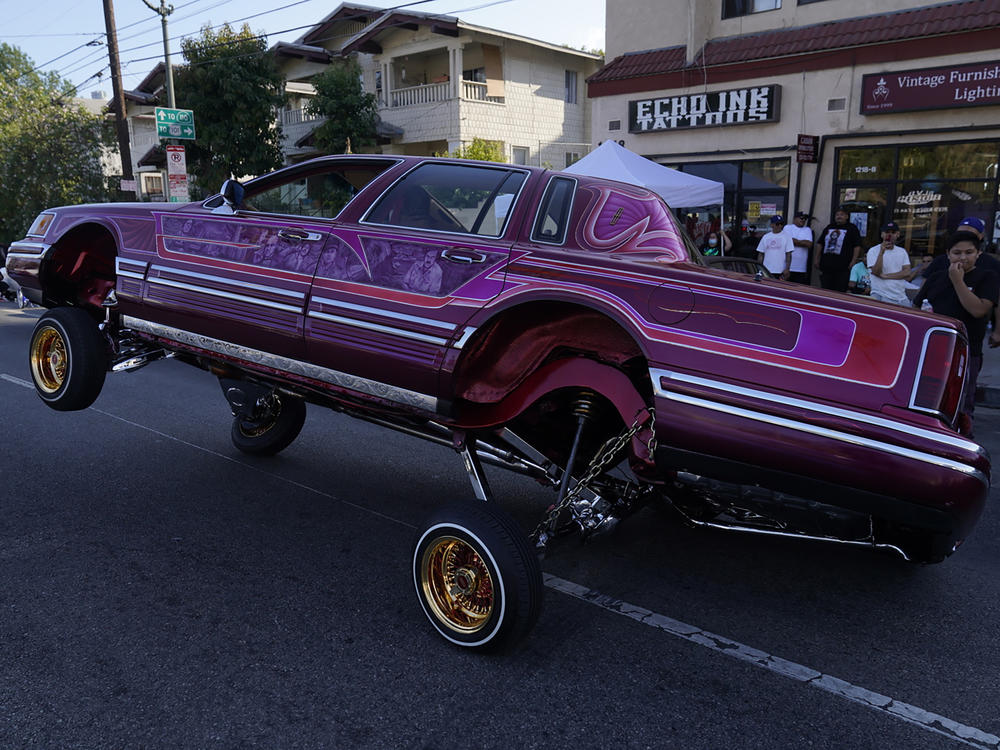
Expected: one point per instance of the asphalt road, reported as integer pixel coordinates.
(160, 590)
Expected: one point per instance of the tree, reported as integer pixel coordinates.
(235, 89)
(50, 148)
(350, 112)
(481, 150)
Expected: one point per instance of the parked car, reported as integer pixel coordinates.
(555, 325)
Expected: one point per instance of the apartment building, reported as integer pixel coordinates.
(812, 104)
(441, 82)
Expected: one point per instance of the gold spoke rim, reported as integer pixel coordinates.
(49, 360)
(457, 584)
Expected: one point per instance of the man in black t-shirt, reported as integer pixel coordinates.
(969, 293)
(839, 246)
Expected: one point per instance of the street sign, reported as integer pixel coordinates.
(177, 181)
(175, 123)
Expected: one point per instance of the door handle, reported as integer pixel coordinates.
(299, 234)
(464, 255)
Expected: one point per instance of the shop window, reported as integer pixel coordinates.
(736, 8)
(863, 164)
(766, 173)
(949, 161)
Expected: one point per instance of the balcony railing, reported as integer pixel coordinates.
(477, 92)
(297, 116)
(440, 92)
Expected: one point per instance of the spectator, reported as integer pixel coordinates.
(890, 267)
(716, 243)
(967, 292)
(839, 247)
(977, 228)
(860, 281)
(775, 249)
(802, 241)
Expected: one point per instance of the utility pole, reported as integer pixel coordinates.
(165, 10)
(121, 124)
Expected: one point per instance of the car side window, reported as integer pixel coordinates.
(451, 198)
(323, 194)
(554, 211)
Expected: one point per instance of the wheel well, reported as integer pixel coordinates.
(80, 268)
(517, 342)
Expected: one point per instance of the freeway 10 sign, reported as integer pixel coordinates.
(175, 123)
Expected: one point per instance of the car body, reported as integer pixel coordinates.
(525, 317)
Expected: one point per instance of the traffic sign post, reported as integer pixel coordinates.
(175, 123)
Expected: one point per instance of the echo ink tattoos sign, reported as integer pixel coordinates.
(931, 88)
(733, 107)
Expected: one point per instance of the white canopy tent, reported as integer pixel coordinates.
(679, 190)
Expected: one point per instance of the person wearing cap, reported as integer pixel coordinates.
(802, 242)
(968, 292)
(775, 249)
(890, 267)
(839, 247)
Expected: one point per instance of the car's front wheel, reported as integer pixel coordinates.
(271, 435)
(68, 359)
(477, 577)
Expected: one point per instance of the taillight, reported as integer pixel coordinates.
(941, 377)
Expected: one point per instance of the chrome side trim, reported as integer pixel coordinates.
(825, 432)
(226, 295)
(384, 313)
(464, 338)
(952, 441)
(355, 323)
(28, 249)
(222, 280)
(137, 271)
(297, 367)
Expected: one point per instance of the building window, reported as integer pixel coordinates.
(519, 154)
(570, 87)
(614, 125)
(736, 8)
(152, 185)
(572, 157)
(926, 188)
(836, 105)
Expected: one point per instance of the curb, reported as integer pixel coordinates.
(988, 395)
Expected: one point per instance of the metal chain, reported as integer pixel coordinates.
(602, 458)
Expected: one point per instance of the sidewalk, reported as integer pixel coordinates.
(988, 384)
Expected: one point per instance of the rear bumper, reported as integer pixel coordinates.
(901, 472)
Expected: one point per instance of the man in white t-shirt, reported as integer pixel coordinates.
(890, 267)
(775, 249)
(802, 242)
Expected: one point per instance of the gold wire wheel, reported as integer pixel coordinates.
(49, 360)
(457, 584)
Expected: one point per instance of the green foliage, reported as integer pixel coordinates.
(234, 89)
(480, 150)
(350, 112)
(50, 148)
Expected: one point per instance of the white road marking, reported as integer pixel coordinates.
(16, 381)
(914, 715)
(911, 714)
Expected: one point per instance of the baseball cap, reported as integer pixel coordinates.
(802, 215)
(777, 219)
(890, 226)
(972, 224)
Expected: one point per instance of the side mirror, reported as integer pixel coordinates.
(232, 197)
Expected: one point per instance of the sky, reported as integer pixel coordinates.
(58, 38)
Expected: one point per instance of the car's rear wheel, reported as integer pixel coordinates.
(273, 434)
(68, 359)
(477, 577)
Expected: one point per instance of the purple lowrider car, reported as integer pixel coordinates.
(556, 325)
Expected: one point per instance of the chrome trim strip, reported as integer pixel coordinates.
(229, 282)
(130, 275)
(137, 272)
(225, 295)
(355, 323)
(29, 249)
(384, 313)
(953, 441)
(464, 338)
(297, 367)
(843, 437)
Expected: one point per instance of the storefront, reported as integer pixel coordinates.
(906, 129)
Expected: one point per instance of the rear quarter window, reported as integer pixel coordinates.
(552, 221)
